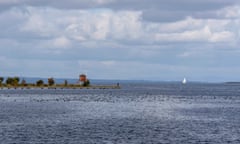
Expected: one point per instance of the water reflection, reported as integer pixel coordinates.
(137, 113)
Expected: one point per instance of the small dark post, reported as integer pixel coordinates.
(65, 83)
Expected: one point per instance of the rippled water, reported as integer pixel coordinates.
(138, 113)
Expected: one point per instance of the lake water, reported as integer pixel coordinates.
(138, 113)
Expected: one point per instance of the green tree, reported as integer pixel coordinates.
(40, 83)
(51, 81)
(12, 81)
(1, 80)
(86, 83)
(9, 81)
(16, 81)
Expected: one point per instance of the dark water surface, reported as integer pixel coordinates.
(138, 113)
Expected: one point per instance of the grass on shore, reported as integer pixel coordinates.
(58, 86)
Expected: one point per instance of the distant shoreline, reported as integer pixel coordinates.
(63, 87)
(232, 82)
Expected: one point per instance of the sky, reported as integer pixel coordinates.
(163, 40)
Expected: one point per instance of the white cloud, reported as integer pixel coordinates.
(104, 1)
(224, 36)
(120, 26)
(105, 25)
(108, 63)
(206, 33)
(39, 23)
(11, 1)
(61, 42)
(84, 24)
(230, 12)
(186, 24)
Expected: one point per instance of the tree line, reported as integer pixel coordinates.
(15, 81)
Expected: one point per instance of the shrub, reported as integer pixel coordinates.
(86, 83)
(51, 81)
(12, 81)
(40, 83)
(1, 80)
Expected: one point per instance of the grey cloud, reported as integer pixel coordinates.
(60, 4)
(155, 15)
(192, 5)
(172, 10)
(153, 10)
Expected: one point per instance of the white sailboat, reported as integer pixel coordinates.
(184, 81)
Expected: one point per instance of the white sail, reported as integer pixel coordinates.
(184, 81)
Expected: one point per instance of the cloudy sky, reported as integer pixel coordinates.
(121, 39)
